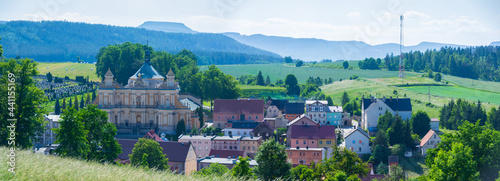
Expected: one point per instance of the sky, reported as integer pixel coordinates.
(461, 22)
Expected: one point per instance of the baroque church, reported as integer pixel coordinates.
(147, 102)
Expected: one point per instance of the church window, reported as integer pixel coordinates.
(138, 118)
(138, 101)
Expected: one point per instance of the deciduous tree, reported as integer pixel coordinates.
(155, 157)
(272, 161)
(242, 169)
(71, 136)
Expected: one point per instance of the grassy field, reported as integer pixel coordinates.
(59, 70)
(31, 166)
(339, 64)
(280, 71)
(475, 84)
(459, 92)
(385, 87)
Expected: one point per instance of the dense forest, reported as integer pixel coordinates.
(481, 62)
(57, 41)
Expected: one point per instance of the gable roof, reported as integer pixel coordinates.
(294, 108)
(312, 132)
(152, 135)
(398, 104)
(303, 116)
(350, 132)
(148, 72)
(427, 136)
(239, 106)
(280, 104)
(175, 151)
(335, 108)
(244, 124)
(226, 153)
(264, 124)
(434, 120)
(317, 101)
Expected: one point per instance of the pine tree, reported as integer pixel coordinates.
(76, 103)
(87, 101)
(268, 80)
(345, 98)
(82, 104)
(181, 128)
(259, 80)
(70, 103)
(64, 104)
(57, 110)
(93, 95)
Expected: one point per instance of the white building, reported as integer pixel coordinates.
(372, 109)
(49, 137)
(240, 128)
(356, 140)
(316, 110)
(430, 140)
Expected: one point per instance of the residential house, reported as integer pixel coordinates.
(293, 110)
(226, 143)
(48, 136)
(181, 156)
(237, 109)
(373, 108)
(226, 153)
(278, 122)
(357, 140)
(152, 135)
(272, 111)
(228, 162)
(239, 128)
(250, 145)
(434, 124)
(202, 145)
(309, 136)
(305, 155)
(302, 120)
(316, 110)
(334, 116)
(430, 140)
(264, 130)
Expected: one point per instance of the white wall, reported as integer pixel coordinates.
(356, 137)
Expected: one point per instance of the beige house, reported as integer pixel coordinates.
(250, 145)
(148, 101)
(430, 140)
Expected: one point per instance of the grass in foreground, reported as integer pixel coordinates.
(31, 166)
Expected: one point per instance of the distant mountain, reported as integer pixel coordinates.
(497, 43)
(311, 49)
(63, 41)
(169, 27)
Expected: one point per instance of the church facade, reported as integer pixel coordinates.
(147, 102)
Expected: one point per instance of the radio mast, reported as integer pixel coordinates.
(401, 47)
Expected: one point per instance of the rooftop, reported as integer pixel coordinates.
(195, 137)
(317, 101)
(397, 104)
(427, 136)
(434, 120)
(304, 149)
(54, 118)
(294, 108)
(175, 151)
(312, 132)
(303, 116)
(335, 108)
(147, 72)
(349, 132)
(239, 106)
(226, 153)
(227, 138)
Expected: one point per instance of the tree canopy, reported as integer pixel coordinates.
(272, 161)
(154, 154)
(420, 123)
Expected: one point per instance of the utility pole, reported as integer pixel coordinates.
(401, 63)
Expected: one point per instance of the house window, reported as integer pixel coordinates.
(328, 142)
(249, 117)
(206, 148)
(297, 142)
(243, 147)
(254, 148)
(360, 142)
(218, 117)
(320, 142)
(353, 141)
(359, 149)
(313, 142)
(434, 136)
(199, 148)
(304, 142)
(232, 117)
(257, 117)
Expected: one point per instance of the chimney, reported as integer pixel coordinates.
(384, 98)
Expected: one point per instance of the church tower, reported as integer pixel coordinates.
(170, 78)
(108, 78)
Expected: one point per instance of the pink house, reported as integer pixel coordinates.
(310, 136)
(201, 144)
(226, 143)
(237, 110)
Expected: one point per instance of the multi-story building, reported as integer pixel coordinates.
(148, 101)
(226, 143)
(240, 128)
(316, 110)
(357, 140)
(250, 145)
(225, 110)
(305, 155)
(334, 116)
(201, 144)
(49, 137)
(293, 110)
(309, 136)
(372, 109)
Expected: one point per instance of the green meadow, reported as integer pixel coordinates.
(59, 70)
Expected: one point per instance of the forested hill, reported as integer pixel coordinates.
(481, 62)
(63, 41)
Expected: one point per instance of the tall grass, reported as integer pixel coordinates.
(31, 166)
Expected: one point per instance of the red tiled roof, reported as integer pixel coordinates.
(152, 135)
(175, 151)
(226, 153)
(427, 137)
(242, 106)
(312, 132)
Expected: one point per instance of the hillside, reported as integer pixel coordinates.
(311, 49)
(58, 41)
(31, 166)
(169, 27)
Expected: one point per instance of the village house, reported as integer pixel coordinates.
(334, 116)
(310, 135)
(202, 145)
(181, 156)
(304, 155)
(430, 140)
(372, 109)
(316, 110)
(148, 101)
(264, 130)
(278, 122)
(226, 143)
(356, 140)
(434, 124)
(293, 110)
(250, 145)
(239, 128)
(225, 110)
(228, 162)
(302, 120)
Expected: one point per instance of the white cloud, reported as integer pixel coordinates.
(74, 17)
(415, 14)
(353, 14)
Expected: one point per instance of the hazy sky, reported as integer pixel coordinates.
(372, 21)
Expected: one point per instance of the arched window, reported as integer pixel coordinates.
(138, 100)
(138, 118)
(126, 123)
